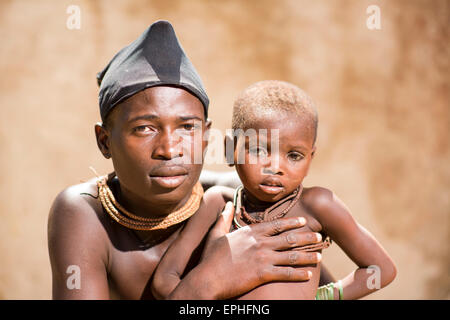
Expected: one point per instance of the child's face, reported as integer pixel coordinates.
(269, 175)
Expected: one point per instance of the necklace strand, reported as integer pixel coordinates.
(237, 201)
(265, 215)
(119, 214)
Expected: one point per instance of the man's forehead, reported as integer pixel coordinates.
(161, 102)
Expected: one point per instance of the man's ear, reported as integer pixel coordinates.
(313, 152)
(229, 149)
(208, 124)
(205, 137)
(102, 135)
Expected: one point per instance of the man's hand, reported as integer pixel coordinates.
(237, 262)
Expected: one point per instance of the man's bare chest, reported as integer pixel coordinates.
(131, 266)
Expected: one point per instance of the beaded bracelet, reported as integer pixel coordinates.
(341, 290)
(327, 292)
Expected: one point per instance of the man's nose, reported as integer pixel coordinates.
(168, 146)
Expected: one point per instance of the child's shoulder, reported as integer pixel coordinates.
(329, 210)
(324, 204)
(317, 197)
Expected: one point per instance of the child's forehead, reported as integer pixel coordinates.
(286, 131)
(286, 121)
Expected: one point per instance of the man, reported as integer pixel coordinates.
(114, 230)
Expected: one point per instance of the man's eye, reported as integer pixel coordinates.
(189, 126)
(295, 156)
(143, 129)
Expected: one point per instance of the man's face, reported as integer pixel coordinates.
(151, 139)
(269, 174)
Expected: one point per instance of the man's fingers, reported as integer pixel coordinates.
(287, 274)
(296, 258)
(280, 225)
(294, 238)
(223, 223)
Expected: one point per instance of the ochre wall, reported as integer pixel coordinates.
(382, 96)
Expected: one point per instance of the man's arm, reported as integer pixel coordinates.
(168, 274)
(228, 179)
(237, 262)
(231, 179)
(77, 249)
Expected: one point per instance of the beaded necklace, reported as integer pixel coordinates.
(265, 215)
(240, 211)
(131, 221)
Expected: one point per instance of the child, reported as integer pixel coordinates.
(272, 189)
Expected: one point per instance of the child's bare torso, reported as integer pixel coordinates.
(289, 290)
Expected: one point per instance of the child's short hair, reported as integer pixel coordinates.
(266, 97)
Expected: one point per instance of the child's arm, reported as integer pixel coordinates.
(355, 240)
(170, 269)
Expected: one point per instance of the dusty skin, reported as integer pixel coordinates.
(111, 257)
(382, 96)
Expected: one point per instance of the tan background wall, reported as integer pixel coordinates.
(383, 99)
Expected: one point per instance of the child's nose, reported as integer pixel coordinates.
(273, 167)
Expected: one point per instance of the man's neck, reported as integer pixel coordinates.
(142, 207)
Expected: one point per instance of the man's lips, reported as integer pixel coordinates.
(169, 171)
(169, 177)
(169, 182)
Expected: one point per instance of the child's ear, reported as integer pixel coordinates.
(229, 150)
(102, 135)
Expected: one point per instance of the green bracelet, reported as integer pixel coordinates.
(341, 290)
(327, 292)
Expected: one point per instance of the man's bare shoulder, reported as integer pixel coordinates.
(77, 236)
(216, 197)
(220, 193)
(78, 207)
(213, 202)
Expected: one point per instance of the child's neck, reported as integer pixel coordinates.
(252, 202)
(257, 210)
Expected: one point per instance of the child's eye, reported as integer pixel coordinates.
(295, 156)
(258, 151)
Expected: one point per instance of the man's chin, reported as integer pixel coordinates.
(170, 192)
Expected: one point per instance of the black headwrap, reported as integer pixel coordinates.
(155, 58)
